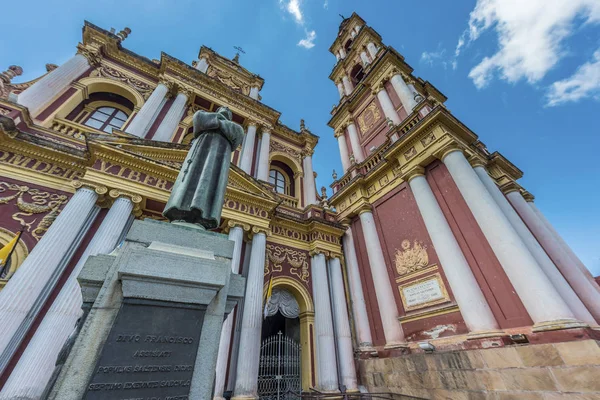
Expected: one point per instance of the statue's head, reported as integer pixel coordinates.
(226, 112)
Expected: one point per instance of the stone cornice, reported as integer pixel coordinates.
(222, 63)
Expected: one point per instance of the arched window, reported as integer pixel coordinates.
(357, 74)
(106, 118)
(278, 179)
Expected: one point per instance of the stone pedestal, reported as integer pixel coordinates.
(157, 310)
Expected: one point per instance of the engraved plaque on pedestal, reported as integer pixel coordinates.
(150, 352)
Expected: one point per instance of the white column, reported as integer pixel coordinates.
(263, 158)
(340, 87)
(236, 235)
(470, 299)
(254, 92)
(342, 53)
(557, 279)
(249, 352)
(585, 289)
(327, 377)
(341, 139)
(540, 298)
(342, 327)
(354, 143)
(381, 280)
(347, 85)
(202, 65)
(337, 57)
(386, 104)
(364, 58)
(359, 306)
(32, 372)
(404, 93)
(50, 86)
(248, 149)
(144, 119)
(28, 282)
(172, 119)
(562, 242)
(310, 189)
(372, 50)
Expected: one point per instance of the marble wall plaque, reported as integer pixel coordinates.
(423, 293)
(150, 352)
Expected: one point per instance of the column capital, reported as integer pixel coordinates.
(233, 223)
(476, 161)
(189, 93)
(450, 148)
(412, 173)
(510, 187)
(92, 54)
(252, 122)
(136, 199)
(338, 132)
(316, 252)
(99, 189)
(365, 208)
(259, 229)
(527, 196)
(376, 88)
(298, 174)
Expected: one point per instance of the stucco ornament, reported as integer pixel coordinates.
(199, 191)
(411, 259)
(283, 301)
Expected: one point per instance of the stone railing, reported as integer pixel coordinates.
(288, 200)
(71, 128)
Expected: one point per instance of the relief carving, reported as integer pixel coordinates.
(111, 73)
(297, 260)
(411, 259)
(368, 118)
(229, 80)
(278, 146)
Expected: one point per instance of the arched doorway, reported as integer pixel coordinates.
(279, 376)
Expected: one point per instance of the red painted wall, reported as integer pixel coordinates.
(495, 285)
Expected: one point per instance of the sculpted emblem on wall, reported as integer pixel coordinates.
(368, 118)
(297, 260)
(411, 259)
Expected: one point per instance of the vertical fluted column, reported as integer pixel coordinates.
(341, 139)
(583, 287)
(340, 87)
(247, 368)
(386, 104)
(43, 91)
(557, 279)
(30, 376)
(355, 143)
(172, 118)
(342, 327)
(144, 119)
(541, 300)
(404, 93)
(248, 149)
(32, 278)
(388, 309)
(372, 50)
(359, 306)
(364, 58)
(263, 158)
(561, 241)
(310, 189)
(202, 65)
(470, 299)
(236, 235)
(327, 377)
(348, 88)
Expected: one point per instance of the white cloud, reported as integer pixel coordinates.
(309, 41)
(530, 35)
(431, 57)
(293, 7)
(585, 82)
(326, 4)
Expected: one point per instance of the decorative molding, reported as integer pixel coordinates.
(411, 259)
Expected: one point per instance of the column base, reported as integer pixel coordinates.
(245, 397)
(366, 348)
(395, 345)
(485, 334)
(558, 325)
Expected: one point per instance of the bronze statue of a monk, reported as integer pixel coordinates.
(199, 190)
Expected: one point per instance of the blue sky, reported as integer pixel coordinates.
(523, 74)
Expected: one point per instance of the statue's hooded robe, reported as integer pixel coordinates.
(199, 191)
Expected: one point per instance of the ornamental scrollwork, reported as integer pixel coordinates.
(278, 146)
(297, 260)
(411, 259)
(111, 73)
(40, 202)
(229, 80)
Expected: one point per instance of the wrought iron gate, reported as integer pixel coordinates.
(279, 370)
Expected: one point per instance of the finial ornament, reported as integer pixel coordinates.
(236, 58)
(123, 34)
(334, 175)
(389, 122)
(352, 159)
(11, 72)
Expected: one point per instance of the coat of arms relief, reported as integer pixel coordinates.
(411, 258)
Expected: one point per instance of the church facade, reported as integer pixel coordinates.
(427, 244)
